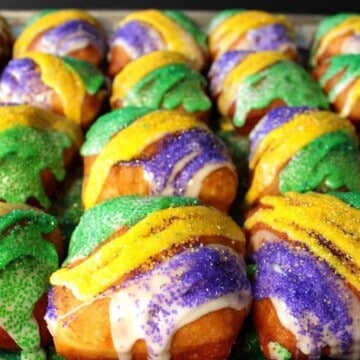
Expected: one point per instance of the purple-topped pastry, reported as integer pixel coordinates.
(147, 272)
(145, 31)
(306, 284)
(250, 30)
(173, 154)
(72, 33)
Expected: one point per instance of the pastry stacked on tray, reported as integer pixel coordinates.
(153, 265)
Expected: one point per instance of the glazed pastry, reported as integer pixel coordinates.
(36, 147)
(29, 244)
(67, 32)
(306, 286)
(142, 32)
(163, 152)
(340, 78)
(302, 149)
(335, 35)
(162, 79)
(246, 85)
(250, 30)
(157, 277)
(6, 42)
(66, 86)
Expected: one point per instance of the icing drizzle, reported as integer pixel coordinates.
(281, 144)
(326, 225)
(130, 142)
(26, 262)
(156, 233)
(348, 66)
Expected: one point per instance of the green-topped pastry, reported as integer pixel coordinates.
(340, 78)
(247, 84)
(36, 147)
(162, 79)
(29, 246)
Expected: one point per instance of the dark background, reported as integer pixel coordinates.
(286, 6)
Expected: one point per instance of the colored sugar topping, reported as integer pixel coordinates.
(20, 83)
(221, 16)
(330, 23)
(270, 37)
(65, 82)
(137, 38)
(281, 144)
(250, 65)
(26, 262)
(156, 233)
(46, 22)
(24, 115)
(31, 135)
(21, 146)
(169, 87)
(226, 34)
(189, 25)
(272, 120)
(349, 24)
(326, 225)
(130, 142)
(137, 70)
(108, 125)
(175, 293)
(284, 80)
(314, 296)
(72, 36)
(351, 198)
(174, 35)
(171, 170)
(347, 69)
(103, 220)
(91, 77)
(221, 68)
(330, 162)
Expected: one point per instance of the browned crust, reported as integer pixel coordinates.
(218, 188)
(209, 337)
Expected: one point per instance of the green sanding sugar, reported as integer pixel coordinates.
(103, 220)
(170, 87)
(24, 153)
(278, 352)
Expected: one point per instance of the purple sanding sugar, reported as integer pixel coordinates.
(51, 312)
(221, 68)
(20, 83)
(192, 278)
(270, 37)
(272, 120)
(206, 148)
(139, 37)
(73, 35)
(306, 285)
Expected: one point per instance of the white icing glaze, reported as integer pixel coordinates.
(194, 185)
(53, 47)
(305, 344)
(351, 45)
(129, 313)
